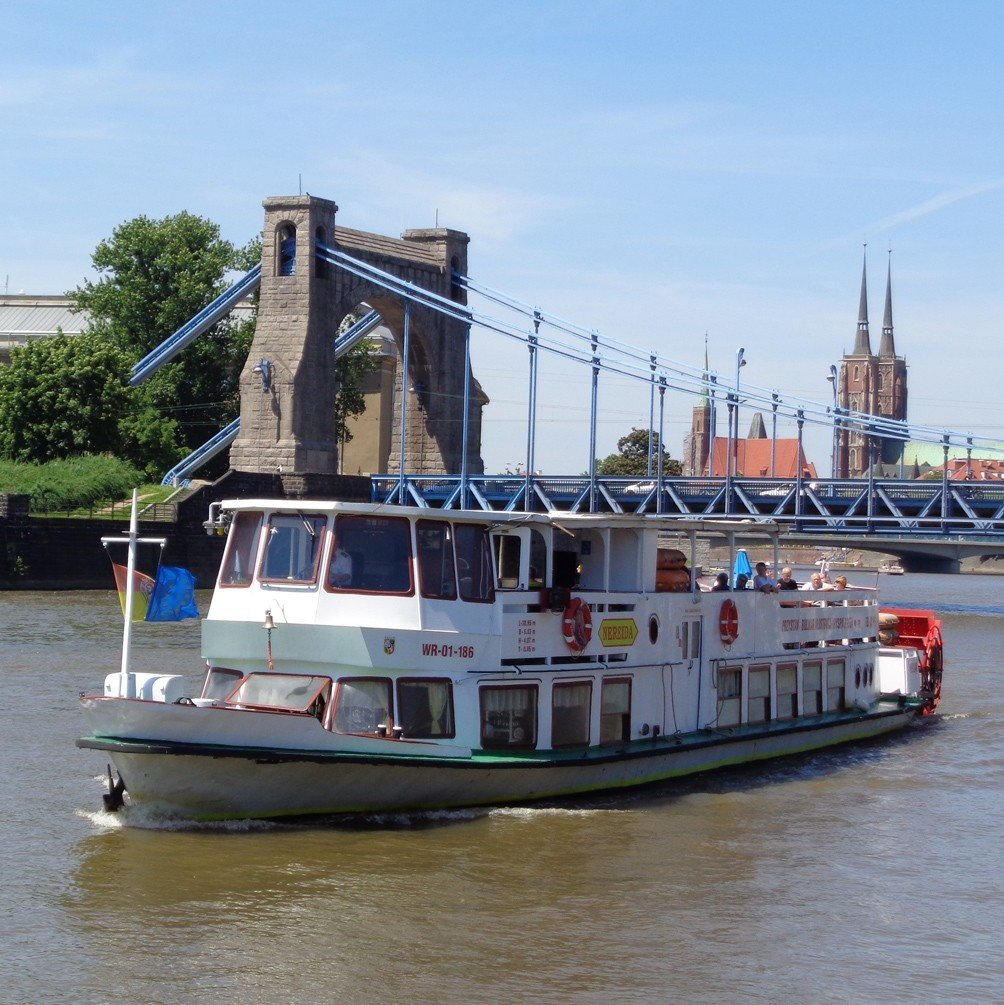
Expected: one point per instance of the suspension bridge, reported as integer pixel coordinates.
(313, 273)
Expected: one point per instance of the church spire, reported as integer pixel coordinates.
(862, 345)
(887, 347)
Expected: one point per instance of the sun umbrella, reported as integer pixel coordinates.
(742, 567)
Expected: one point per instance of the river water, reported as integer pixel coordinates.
(871, 874)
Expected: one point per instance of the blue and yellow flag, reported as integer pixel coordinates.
(169, 597)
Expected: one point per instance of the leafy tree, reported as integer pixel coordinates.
(69, 395)
(632, 457)
(154, 275)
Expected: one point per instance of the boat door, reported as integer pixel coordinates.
(691, 673)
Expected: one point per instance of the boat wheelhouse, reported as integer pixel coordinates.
(366, 657)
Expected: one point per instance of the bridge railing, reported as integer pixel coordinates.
(876, 507)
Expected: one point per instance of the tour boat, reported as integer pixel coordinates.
(363, 658)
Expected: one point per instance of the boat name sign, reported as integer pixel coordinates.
(618, 631)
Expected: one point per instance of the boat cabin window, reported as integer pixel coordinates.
(507, 555)
(812, 693)
(292, 548)
(520, 558)
(474, 563)
(437, 575)
(425, 707)
(787, 691)
(730, 696)
(758, 707)
(242, 549)
(372, 554)
(219, 683)
(362, 705)
(509, 717)
(570, 712)
(290, 692)
(835, 674)
(615, 711)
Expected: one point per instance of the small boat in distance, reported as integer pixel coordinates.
(368, 658)
(891, 568)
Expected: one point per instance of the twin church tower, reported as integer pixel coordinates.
(865, 382)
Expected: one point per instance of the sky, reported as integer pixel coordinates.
(661, 172)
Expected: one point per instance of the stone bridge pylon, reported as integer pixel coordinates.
(288, 384)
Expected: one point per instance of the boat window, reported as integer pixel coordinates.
(507, 560)
(362, 705)
(372, 554)
(292, 692)
(615, 711)
(759, 695)
(219, 682)
(835, 674)
(242, 550)
(509, 716)
(730, 696)
(474, 563)
(812, 693)
(570, 711)
(436, 572)
(292, 548)
(425, 707)
(787, 691)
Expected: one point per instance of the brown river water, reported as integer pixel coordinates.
(869, 874)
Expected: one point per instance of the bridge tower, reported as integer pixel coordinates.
(288, 383)
(875, 385)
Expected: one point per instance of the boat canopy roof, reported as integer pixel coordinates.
(702, 527)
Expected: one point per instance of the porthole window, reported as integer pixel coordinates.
(653, 629)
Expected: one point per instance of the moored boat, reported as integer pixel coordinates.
(365, 657)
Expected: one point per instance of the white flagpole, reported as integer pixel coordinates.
(125, 680)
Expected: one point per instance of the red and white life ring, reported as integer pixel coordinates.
(728, 622)
(577, 625)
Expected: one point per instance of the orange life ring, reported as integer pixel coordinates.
(728, 622)
(577, 625)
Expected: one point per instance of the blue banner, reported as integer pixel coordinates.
(173, 597)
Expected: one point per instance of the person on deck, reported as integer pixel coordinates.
(787, 581)
(721, 583)
(763, 582)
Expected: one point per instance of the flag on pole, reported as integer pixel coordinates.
(142, 585)
(169, 597)
(173, 597)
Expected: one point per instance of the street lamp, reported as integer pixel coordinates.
(740, 363)
(713, 426)
(832, 378)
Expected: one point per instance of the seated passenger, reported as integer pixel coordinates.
(816, 583)
(741, 580)
(787, 580)
(721, 583)
(763, 582)
(341, 568)
(840, 583)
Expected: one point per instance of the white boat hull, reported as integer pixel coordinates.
(213, 783)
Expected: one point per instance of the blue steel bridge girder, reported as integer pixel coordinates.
(899, 520)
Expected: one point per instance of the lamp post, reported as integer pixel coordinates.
(712, 426)
(832, 378)
(775, 400)
(740, 363)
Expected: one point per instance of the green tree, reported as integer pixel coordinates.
(56, 396)
(65, 396)
(632, 457)
(154, 275)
